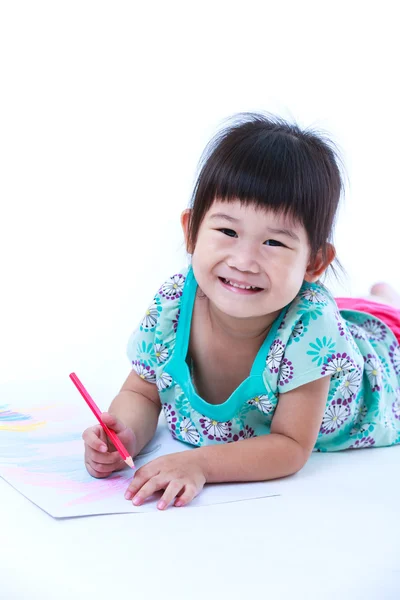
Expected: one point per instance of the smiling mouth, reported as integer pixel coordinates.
(239, 286)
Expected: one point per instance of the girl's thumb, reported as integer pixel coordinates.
(113, 422)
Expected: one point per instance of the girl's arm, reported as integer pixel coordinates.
(284, 451)
(138, 406)
(133, 415)
(294, 431)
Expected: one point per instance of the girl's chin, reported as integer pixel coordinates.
(229, 309)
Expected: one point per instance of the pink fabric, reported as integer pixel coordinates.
(388, 314)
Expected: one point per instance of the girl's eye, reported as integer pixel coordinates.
(232, 233)
(273, 243)
(229, 232)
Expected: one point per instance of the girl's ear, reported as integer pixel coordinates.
(316, 268)
(185, 221)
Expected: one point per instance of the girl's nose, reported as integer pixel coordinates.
(244, 258)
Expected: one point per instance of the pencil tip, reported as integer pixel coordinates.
(130, 462)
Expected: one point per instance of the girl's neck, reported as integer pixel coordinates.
(250, 329)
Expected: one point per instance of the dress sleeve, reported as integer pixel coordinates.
(319, 343)
(142, 346)
(151, 344)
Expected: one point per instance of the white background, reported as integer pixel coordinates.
(105, 110)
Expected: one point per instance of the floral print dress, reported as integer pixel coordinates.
(310, 339)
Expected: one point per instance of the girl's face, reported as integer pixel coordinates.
(242, 247)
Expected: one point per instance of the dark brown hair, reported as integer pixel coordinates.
(267, 162)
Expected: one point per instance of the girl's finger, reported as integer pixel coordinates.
(104, 437)
(137, 482)
(187, 496)
(101, 468)
(115, 465)
(112, 422)
(94, 473)
(139, 479)
(148, 489)
(92, 438)
(173, 489)
(104, 458)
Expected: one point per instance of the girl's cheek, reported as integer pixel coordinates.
(278, 265)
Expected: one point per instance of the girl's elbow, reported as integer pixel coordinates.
(298, 459)
(302, 459)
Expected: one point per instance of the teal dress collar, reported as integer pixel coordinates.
(254, 385)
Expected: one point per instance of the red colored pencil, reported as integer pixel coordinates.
(97, 413)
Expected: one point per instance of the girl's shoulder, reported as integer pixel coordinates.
(313, 303)
(152, 342)
(170, 293)
(163, 311)
(169, 301)
(311, 341)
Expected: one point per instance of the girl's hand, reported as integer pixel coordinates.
(180, 475)
(101, 457)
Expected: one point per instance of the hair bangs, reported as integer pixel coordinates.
(272, 165)
(261, 177)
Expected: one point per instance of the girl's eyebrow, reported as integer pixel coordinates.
(224, 216)
(288, 232)
(279, 231)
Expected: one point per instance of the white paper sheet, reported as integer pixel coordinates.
(41, 456)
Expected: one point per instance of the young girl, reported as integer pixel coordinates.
(245, 351)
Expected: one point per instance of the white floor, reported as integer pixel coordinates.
(109, 106)
(333, 532)
(305, 547)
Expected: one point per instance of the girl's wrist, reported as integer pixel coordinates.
(199, 455)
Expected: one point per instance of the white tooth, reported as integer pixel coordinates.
(242, 287)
